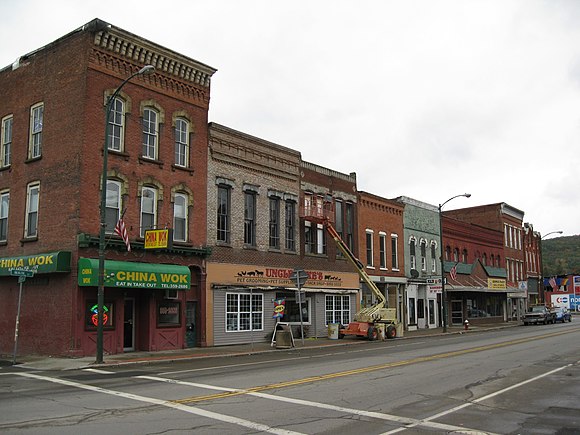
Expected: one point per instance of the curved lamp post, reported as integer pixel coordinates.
(552, 232)
(542, 261)
(147, 69)
(443, 291)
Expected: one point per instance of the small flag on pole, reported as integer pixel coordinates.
(121, 231)
(453, 272)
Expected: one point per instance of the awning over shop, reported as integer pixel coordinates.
(476, 289)
(126, 274)
(49, 262)
(342, 291)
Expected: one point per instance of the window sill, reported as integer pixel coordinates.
(33, 159)
(29, 239)
(151, 161)
(122, 154)
(182, 168)
(5, 168)
(251, 247)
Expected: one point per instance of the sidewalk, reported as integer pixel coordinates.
(41, 362)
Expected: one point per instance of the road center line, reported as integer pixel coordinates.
(165, 403)
(307, 403)
(479, 400)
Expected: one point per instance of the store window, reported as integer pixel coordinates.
(168, 313)
(91, 315)
(292, 309)
(244, 312)
(337, 309)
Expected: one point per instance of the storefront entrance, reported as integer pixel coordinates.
(457, 312)
(129, 325)
(190, 330)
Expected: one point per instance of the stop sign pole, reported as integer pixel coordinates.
(22, 274)
(300, 276)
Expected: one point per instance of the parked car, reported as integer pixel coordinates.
(539, 314)
(563, 315)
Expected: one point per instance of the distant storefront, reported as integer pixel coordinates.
(245, 301)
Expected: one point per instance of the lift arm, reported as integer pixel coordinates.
(374, 312)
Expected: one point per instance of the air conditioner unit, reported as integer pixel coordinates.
(171, 294)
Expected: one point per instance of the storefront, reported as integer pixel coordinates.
(145, 305)
(40, 284)
(246, 302)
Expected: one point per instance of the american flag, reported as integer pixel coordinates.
(121, 231)
(554, 284)
(453, 272)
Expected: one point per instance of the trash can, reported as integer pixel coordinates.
(284, 338)
(333, 331)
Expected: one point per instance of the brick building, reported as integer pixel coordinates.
(476, 290)
(533, 264)
(255, 189)
(53, 132)
(381, 244)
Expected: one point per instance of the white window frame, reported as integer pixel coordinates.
(182, 142)
(433, 249)
(182, 216)
(146, 193)
(413, 257)
(332, 314)
(116, 127)
(6, 141)
(369, 248)
(113, 202)
(150, 133)
(35, 133)
(383, 250)
(395, 252)
(4, 212)
(233, 317)
(423, 249)
(32, 206)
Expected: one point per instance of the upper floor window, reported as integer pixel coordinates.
(32, 201)
(4, 207)
(484, 259)
(36, 123)
(290, 211)
(339, 217)
(383, 250)
(180, 201)
(350, 226)
(250, 218)
(274, 224)
(423, 254)
(433, 257)
(150, 133)
(181, 142)
(113, 205)
(223, 213)
(464, 256)
(6, 143)
(148, 209)
(369, 248)
(116, 127)
(412, 253)
(394, 252)
(456, 255)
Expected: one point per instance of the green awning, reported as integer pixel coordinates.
(127, 274)
(49, 262)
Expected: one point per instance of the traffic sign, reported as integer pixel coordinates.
(22, 272)
(299, 276)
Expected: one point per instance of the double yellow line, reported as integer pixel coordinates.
(368, 369)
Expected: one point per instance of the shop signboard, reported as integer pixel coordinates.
(49, 262)
(496, 284)
(128, 274)
(158, 239)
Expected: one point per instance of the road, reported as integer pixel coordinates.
(520, 380)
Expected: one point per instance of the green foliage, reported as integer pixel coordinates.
(561, 256)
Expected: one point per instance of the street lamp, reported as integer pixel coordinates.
(552, 232)
(147, 69)
(443, 291)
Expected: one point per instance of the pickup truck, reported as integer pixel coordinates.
(539, 314)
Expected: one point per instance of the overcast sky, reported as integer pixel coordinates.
(426, 99)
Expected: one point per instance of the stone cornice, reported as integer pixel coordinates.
(142, 52)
